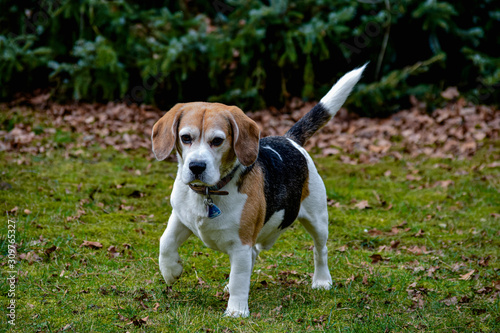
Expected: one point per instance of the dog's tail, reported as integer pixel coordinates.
(327, 107)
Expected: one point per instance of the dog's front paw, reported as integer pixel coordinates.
(322, 284)
(171, 272)
(236, 313)
(322, 280)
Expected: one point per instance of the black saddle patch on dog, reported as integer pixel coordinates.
(285, 171)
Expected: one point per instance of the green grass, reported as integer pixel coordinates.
(99, 195)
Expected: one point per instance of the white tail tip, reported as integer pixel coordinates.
(336, 97)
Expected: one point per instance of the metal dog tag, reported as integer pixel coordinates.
(212, 210)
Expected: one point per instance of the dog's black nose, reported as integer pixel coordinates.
(197, 168)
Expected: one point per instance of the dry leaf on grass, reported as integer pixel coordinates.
(362, 205)
(49, 250)
(418, 250)
(31, 257)
(394, 244)
(113, 252)
(329, 152)
(420, 233)
(343, 248)
(444, 183)
(375, 232)
(376, 258)
(450, 301)
(93, 245)
(494, 165)
(13, 210)
(467, 276)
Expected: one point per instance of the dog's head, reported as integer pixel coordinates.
(210, 139)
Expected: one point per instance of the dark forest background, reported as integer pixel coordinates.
(253, 53)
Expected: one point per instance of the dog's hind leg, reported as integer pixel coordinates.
(173, 237)
(255, 254)
(313, 216)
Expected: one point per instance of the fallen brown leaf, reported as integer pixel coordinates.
(494, 165)
(484, 261)
(31, 257)
(394, 231)
(376, 258)
(343, 248)
(413, 178)
(113, 252)
(466, 276)
(450, 301)
(93, 245)
(420, 233)
(496, 284)
(13, 210)
(418, 250)
(362, 205)
(394, 244)
(431, 270)
(329, 152)
(484, 290)
(50, 250)
(444, 183)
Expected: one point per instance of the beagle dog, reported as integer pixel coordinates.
(238, 193)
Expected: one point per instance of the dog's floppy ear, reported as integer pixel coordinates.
(246, 135)
(164, 133)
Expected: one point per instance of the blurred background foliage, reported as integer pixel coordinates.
(251, 53)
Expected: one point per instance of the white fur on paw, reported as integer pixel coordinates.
(171, 273)
(236, 313)
(322, 284)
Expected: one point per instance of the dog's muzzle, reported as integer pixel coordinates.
(197, 168)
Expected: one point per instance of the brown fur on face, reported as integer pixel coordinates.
(218, 119)
(254, 211)
(208, 117)
(242, 133)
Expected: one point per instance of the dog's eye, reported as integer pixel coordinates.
(186, 138)
(217, 142)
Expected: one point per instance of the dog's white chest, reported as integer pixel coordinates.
(219, 233)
